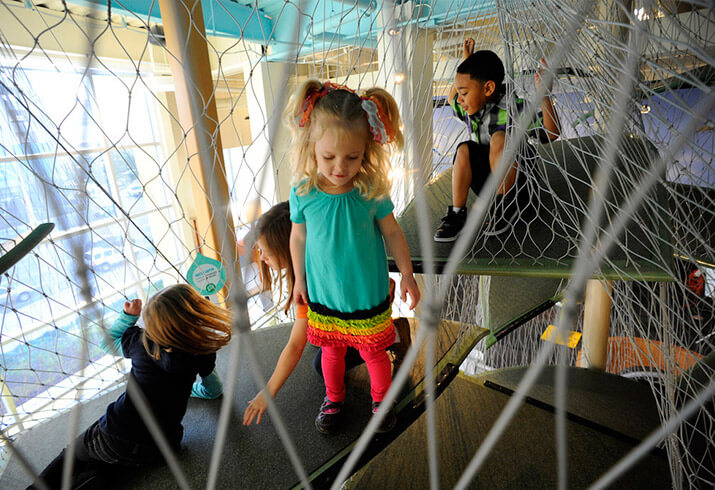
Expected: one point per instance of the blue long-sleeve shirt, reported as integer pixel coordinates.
(166, 383)
(208, 388)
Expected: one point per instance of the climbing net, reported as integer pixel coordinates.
(96, 139)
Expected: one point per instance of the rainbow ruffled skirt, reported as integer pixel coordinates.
(370, 329)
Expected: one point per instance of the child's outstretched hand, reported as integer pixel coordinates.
(538, 74)
(255, 410)
(408, 285)
(467, 47)
(133, 307)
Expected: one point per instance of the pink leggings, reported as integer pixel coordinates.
(378, 365)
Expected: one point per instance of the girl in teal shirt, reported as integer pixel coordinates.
(342, 217)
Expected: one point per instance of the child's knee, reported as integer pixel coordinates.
(462, 163)
(496, 147)
(376, 356)
(462, 152)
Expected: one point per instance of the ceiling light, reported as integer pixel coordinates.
(641, 14)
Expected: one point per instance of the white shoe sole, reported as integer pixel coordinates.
(504, 227)
(446, 239)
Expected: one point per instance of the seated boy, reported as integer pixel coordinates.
(478, 98)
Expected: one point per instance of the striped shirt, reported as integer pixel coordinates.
(493, 117)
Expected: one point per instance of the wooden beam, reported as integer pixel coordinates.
(194, 88)
(596, 325)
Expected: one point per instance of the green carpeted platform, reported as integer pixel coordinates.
(524, 457)
(694, 228)
(546, 245)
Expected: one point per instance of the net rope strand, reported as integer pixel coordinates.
(82, 270)
(242, 326)
(127, 206)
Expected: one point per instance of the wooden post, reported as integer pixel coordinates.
(596, 325)
(194, 88)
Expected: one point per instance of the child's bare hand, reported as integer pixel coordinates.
(538, 75)
(255, 410)
(300, 293)
(133, 307)
(408, 285)
(467, 47)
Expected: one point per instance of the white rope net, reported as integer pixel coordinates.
(95, 138)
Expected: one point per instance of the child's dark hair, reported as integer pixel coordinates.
(483, 65)
(178, 317)
(274, 228)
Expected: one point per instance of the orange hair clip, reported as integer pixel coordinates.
(309, 103)
(378, 121)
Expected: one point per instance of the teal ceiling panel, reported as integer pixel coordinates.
(272, 22)
(221, 17)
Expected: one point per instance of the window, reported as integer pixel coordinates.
(84, 163)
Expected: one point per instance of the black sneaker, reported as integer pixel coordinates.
(451, 225)
(501, 215)
(329, 417)
(388, 423)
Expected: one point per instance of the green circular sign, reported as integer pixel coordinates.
(207, 275)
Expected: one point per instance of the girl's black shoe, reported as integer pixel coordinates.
(328, 418)
(388, 423)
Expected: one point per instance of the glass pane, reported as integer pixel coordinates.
(124, 105)
(145, 234)
(70, 113)
(14, 216)
(39, 288)
(140, 185)
(47, 356)
(65, 204)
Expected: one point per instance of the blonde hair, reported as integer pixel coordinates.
(178, 317)
(341, 111)
(274, 228)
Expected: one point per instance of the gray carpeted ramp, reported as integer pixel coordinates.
(612, 403)
(253, 457)
(524, 457)
(546, 245)
(509, 301)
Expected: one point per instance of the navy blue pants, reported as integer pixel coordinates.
(97, 455)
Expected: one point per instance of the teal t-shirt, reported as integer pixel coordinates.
(345, 260)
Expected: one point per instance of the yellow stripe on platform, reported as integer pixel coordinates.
(552, 334)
